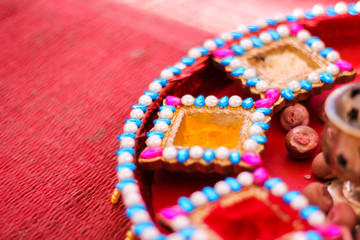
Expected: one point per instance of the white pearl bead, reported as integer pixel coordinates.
(261, 23)
(155, 86)
(200, 234)
(283, 30)
(166, 113)
(180, 65)
(198, 198)
(279, 189)
(127, 142)
(211, 101)
(187, 100)
(357, 6)
(255, 130)
(174, 236)
(222, 188)
(332, 69)
(265, 37)
(280, 17)
(262, 86)
(250, 145)
(246, 43)
(170, 153)
(298, 236)
(196, 152)
(180, 222)
(149, 233)
(194, 53)
(299, 13)
(226, 36)
(153, 141)
(140, 216)
(314, 77)
(294, 86)
(299, 202)
(125, 157)
(210, 45)
(316, 218)
(333, 56)
(245, 178)
(249, 73)
(132, 199)
(222, 153)
(145, 99)
(130, 188)
(341, 8)
(235, 101)
(303, 35)
(243, 29)
(318, 10)
(124, 174)
(257, 117)
(318, 45)
(161, 126)
(137, 113)
(166, 74)
(130, 127)
(235, 63)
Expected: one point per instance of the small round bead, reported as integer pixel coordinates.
(180, 222)
(316, 218)
(265, 37)
(318, 10)
(137, 113)
(166, 74)
(198, 198)
(174, 236)
(357, 6)
(332, 69)
(211, 101)
(243, 29)
(235, 63)
(261, 23)
(194, 53)
(153, 141)
(166, 113)
(257, 117)
(341, 8)
(283, 30)
(333, 56)
(180, 65)
(196, 152)
(187, 100)
(314, 77)
(149, 233)
(146, 100)
(127, 142)
(249, 73)
(161, 126)
(222, 188)
(299, 13)
(140, 216)
(235, 101)
(125, 157)
(125, 173)
(130, 127)
(246, 43)
(130, 188)
(226, 36)
(210, 44)
(245, 178)
(132, 199)
(303, 35)
(280, 17)
(299, 236)
(299, 202)
(318, 45)
(200, 234)
(262, 86)
(255, 130)
(250, 145)
(294, 86)
(155, 86)
(170, 153)
(279, 189)
(222, 153)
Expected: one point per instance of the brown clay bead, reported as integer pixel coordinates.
(321, 113)
(294, 116)
(302, 142)
(320, 168)
(317, 194)
(342, 214)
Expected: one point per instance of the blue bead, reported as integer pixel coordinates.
(124, 182)
(352, 10)
(219, 42)
(223, 102)
(326, 77)
(182, 155)
(253, 28)
(187, 232)
(307, 211)
(134, 209)
(166, 120)
(211, 194)
(331, 11)
(263, 125)
(226, 61)
(124, 135)
(313, 235)
(163, 81)
(122, 150)
(174, 70)
(259, 138)
(247, 103)
(233, 184)
(185, 204)
(155, 133)
(305, 84)
(199, 101)
(252, 81)
(271, 22)
(172, 108)
(291, 18)
(272, 182)
(287, 94)
(289, 196)
(238, 71)
(325, 52)
(256, 42)
(234, 157)
(188, 61)
(309, 14)
(204, 51)
(140, 227)
(236, 35)
(129, 165)
(209, 155)
(265, 111)
(143, 107)
(152, 94)
(311, 40)
(238, 50)
(134, 120)
(161, 237)
(274, 34)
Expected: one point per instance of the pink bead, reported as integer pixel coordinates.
(344, 65)
(223, 52)
(152, 152)
(264, 103)
(251, 158)
(260, 175)
(173, 101)
(329, 230)
(295, 28)
(272, 93)
(172, 212)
